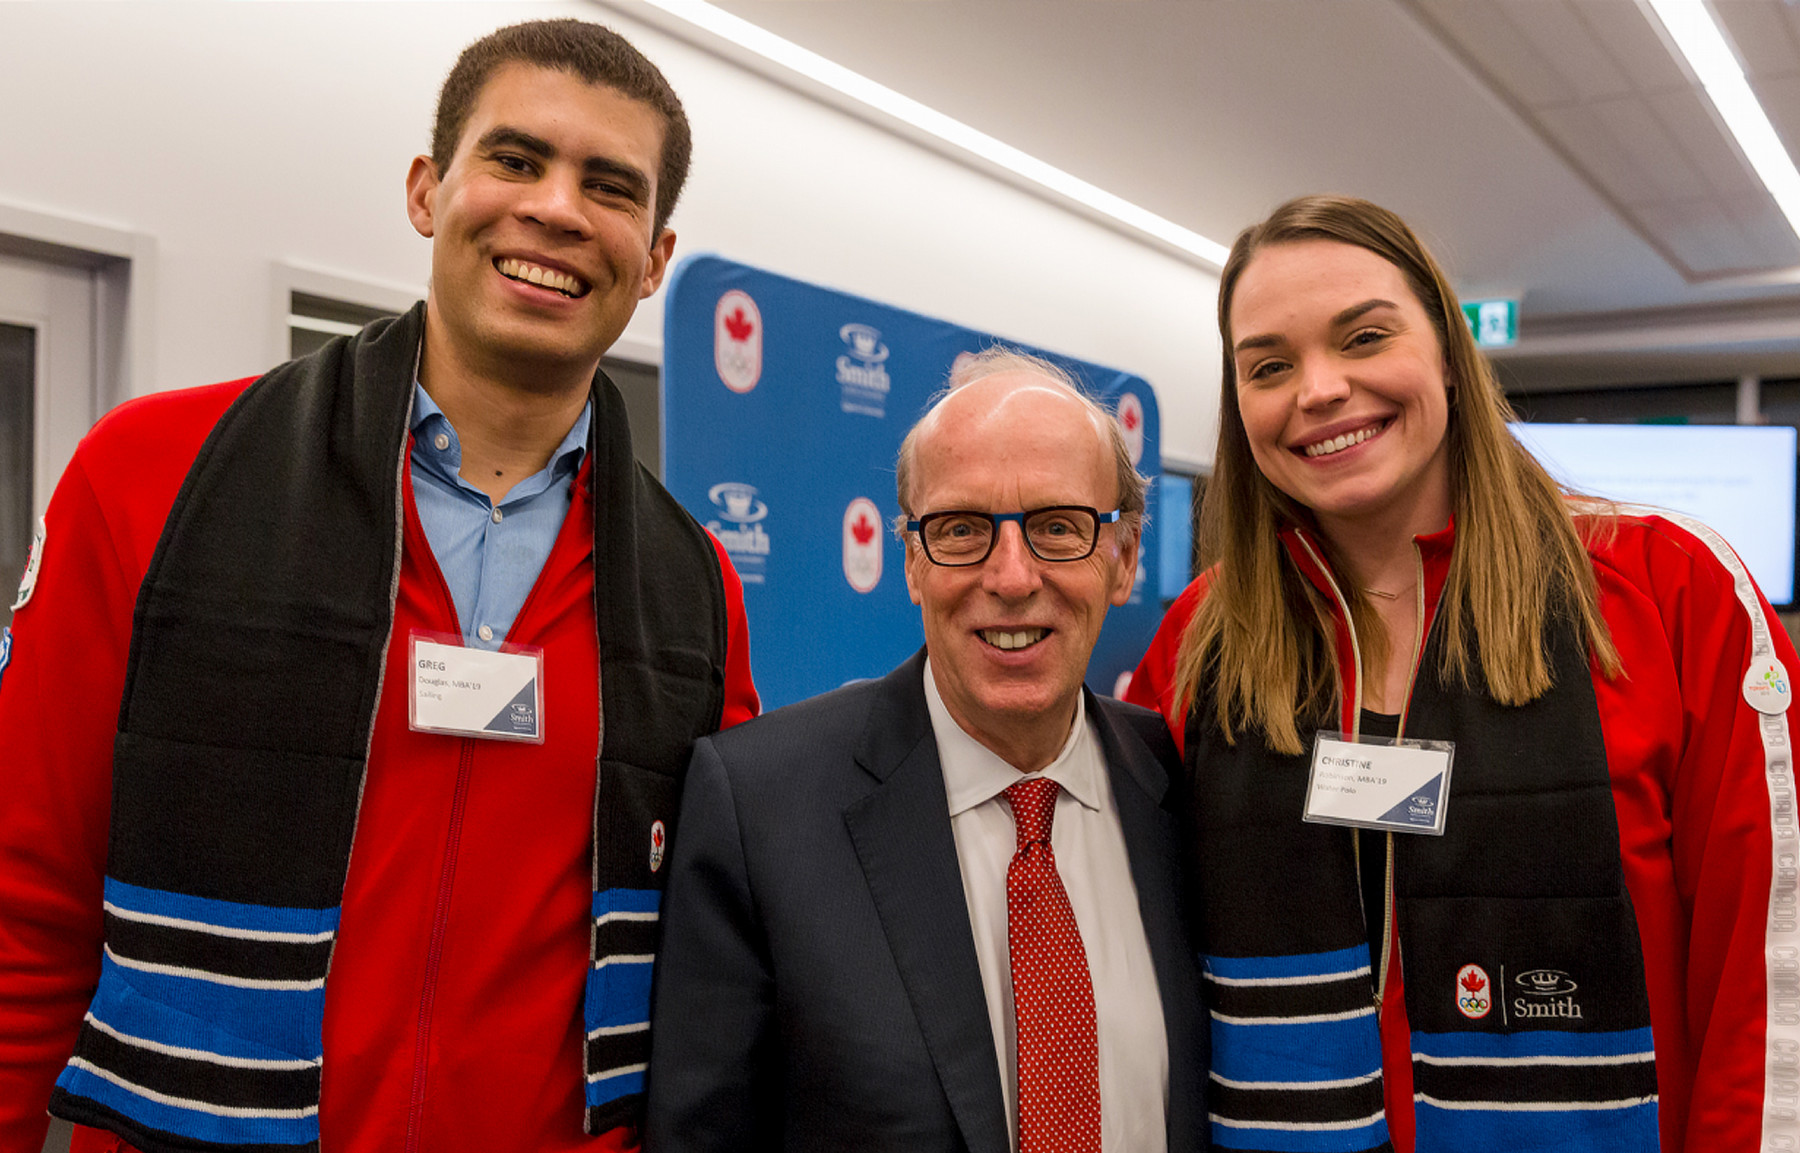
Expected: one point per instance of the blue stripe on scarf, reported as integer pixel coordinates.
(607, 1089)
(627, 901)
(191, 1123)
(619, 993)
(1297, 965)
(264, 1022)
(1301, 1140)
(121, 1007)
(1627, 1130)
(228, 914)
(1315, 1051)
(1532, 1043)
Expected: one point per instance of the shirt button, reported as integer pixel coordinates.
(496, 516)
(442, 440)
(485, 633)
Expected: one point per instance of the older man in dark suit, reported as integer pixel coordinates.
(941, 911)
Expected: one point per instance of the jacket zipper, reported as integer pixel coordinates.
(440, 928)
(1349, 627)
(1387, 910)
(1388, 942)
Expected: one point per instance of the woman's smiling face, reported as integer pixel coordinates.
(1341, 384)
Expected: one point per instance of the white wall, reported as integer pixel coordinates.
(240, 136)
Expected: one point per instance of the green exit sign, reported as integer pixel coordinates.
(1495, 323)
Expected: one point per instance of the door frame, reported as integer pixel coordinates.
(124, 266)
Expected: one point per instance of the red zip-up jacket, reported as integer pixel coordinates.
(453, 1014)
(1704, 794)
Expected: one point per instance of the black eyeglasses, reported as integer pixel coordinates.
(959, 537)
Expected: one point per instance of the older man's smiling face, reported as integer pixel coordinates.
(1009, 638)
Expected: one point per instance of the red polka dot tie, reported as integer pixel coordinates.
(1053, 998)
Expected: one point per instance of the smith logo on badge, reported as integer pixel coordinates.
(865, 382)
(748, 544)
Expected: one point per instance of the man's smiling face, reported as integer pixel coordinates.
(1009, 638)
(541, 225)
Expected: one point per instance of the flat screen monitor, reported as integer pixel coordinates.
(1738, 479)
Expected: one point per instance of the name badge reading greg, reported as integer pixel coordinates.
(476, 693)
(1376, 783)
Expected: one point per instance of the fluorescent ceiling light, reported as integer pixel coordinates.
(908, 111)
(1697, 35)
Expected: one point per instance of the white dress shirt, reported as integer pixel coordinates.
(1096, 873)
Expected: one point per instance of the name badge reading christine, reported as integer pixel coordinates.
(477, 693)
(1376, 783)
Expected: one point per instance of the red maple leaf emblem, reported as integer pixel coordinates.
(1473, 982)
(1130, 419)
(862, 530)
(738, 328)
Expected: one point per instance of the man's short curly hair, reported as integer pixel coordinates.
(592, 52)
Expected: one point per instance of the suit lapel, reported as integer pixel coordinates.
(901, 832)
(1140, 783)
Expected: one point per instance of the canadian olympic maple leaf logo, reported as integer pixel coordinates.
(738, 327)
(862, 546)
(1131, 419)
(1472, 998)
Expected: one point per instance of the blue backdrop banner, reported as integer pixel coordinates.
(784, 405)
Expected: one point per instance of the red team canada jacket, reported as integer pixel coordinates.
(1698, 749)
(454, 1015)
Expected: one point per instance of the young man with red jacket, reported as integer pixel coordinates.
(346, 707)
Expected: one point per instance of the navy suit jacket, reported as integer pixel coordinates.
(816, 986)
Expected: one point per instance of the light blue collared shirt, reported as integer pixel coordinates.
(490, 554)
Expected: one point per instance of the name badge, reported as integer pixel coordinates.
(476, 693)
(1377, 783)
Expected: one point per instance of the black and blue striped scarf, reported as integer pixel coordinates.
(1524, 983)
(257, 654)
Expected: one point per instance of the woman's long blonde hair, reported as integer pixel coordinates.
(1262, 640)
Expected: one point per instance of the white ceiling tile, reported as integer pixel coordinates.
(1497, 47)
(1698, 235)
(1631, 124)
(1780, 98)
(1633, 43)
(1765, 229)
(1764, 39)
(1691, 121)
(1790, 15)
(1567, 44)
(1584, 135)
